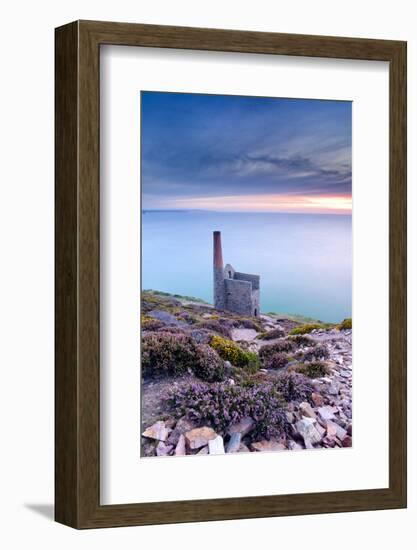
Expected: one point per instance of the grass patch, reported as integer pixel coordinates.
(306, 329)
(346, 324)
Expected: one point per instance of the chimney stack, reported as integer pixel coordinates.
(217, 250)
(218, 276)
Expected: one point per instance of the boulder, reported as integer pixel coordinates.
(166, 318)
(203, 451)
(183, 425)
(199, 437)
(267, 446)
(234, 443)
(157, 431)
(305, 427)
(336, 429)
(331, 429)
(326, 413)
(180, 448)
(162, 449)
(243, 427)
(216, 446)
(306, 410)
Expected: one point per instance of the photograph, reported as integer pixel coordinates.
(246, 274)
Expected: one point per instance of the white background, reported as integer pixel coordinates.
(26, 115)
(124, 72)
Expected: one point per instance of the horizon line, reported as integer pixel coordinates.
(309, 213)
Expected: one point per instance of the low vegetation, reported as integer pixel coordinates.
(167, 353)
(306, 329)
(315, 369)
(230, 351)
(221, 405)
(346, 324)
(272, 334)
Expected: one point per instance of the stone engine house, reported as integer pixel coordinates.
(233, 290)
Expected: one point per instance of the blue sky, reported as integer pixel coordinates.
(234, 153)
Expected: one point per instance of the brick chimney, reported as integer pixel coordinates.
(218, 277)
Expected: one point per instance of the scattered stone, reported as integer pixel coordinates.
(320, 429)
(306, 410)
(347, 441)
(183, 425)
(326, 413)
(243, 427)
(267, 446)
(317, 399)
(157, 431)
(290, 417)
(162, 449)
(243, 448)
(180, 448)
(329, 441)
(333, 390)
(216, 446)
(306, 429)
(198, 437)
(340, 432)
(345, 373)
(294, 446)
(234, 443)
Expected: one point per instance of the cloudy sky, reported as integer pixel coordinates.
(231, 153)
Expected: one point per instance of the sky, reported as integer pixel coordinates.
(245, 154)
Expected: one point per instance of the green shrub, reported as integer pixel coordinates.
(165, 353)
(230, 351)
(346, 324)
(315, 353)
(302, 340)
(272, 356)
(316, 369)
(276, 360)
(305, 329)
(208, 365)
(294, 386)
(272, 334)
(284, 344)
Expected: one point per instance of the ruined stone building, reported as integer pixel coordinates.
(233, 290)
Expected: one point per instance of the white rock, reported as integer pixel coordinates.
(216, 446)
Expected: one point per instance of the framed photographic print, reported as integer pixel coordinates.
(230, 274)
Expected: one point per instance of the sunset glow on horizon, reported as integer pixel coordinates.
(268, 203)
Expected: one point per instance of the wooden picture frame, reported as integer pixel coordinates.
(77, 404)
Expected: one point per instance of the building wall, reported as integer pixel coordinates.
(238, 296)
(254, 279)
(256, 310)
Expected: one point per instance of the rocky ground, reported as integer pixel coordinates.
(317, 411)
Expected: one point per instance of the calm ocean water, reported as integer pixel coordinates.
(305, 261)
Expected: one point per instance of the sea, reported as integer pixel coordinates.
(304, 260)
